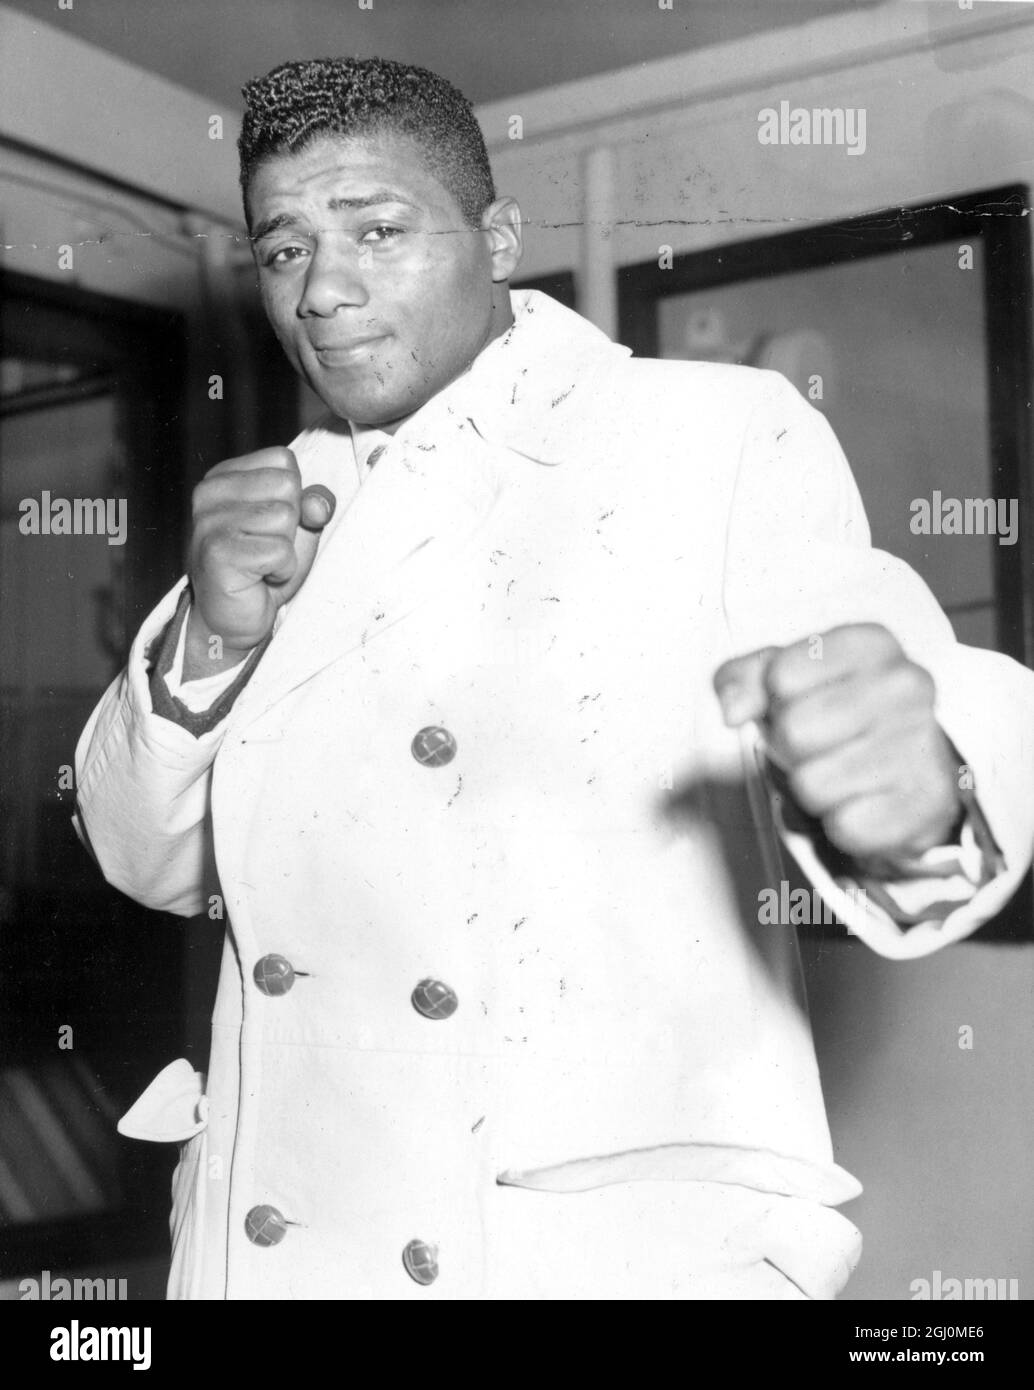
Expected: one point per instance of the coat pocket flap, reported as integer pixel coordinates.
(173, 1108)
(762, 1169)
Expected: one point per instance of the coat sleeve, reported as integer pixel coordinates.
(143, 786)
(798, 562)
(144, 783)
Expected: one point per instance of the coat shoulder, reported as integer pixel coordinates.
(659, 388)
(671, 413)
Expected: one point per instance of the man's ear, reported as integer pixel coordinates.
(501, 222)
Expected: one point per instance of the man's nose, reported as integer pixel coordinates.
(335, 279)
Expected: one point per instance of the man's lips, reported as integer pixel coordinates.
(346, 353)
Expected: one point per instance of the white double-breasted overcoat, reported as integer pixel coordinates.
(544, 569)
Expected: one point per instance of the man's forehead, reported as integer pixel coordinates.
(342, 172)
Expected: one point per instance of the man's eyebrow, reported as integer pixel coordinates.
(269, 225)
(369, 200)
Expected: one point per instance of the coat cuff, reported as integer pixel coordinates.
(163, 655)
(914, 908)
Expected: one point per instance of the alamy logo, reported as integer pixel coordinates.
(965, 516)
(819, 125)
(75, 1290)
(78, 516)
(802, 907)
(980, 1290)
(82, 1343)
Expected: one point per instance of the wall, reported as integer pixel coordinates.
(131, 179)
(941, 1135)
(669, 153)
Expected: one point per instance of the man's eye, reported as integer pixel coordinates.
(284, 256)
(381, 234)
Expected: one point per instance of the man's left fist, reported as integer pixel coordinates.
(850, 720)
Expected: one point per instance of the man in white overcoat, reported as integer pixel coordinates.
(493, 711)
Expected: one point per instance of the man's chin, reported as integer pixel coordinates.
(373, 415)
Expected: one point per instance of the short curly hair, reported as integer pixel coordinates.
(299, 102)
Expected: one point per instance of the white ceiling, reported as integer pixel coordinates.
(489, 48)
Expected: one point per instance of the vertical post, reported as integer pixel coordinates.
(220, 341)
(599, 295)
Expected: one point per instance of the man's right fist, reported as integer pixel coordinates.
(254, 540)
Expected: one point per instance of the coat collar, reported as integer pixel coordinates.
(523, 389)
(394, 541)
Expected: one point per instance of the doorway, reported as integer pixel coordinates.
(92, 484)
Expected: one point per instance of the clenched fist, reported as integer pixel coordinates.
(850, 721)
(254, 540)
